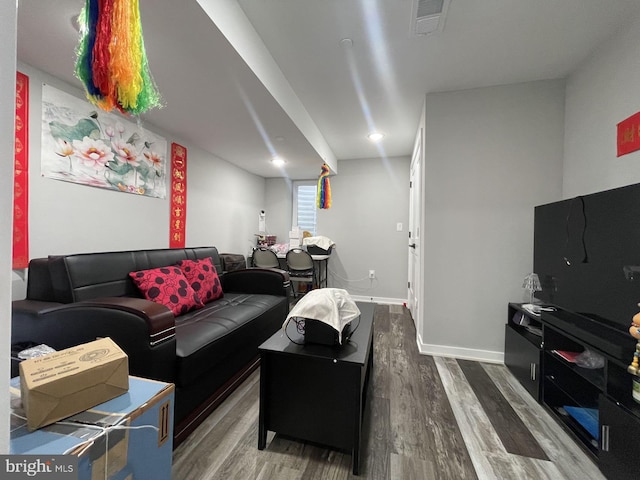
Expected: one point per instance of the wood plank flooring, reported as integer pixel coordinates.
(424, 420)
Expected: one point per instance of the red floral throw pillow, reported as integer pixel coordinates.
(168, 286)
(203, 277)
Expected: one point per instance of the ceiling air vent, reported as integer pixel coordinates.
(427, 16)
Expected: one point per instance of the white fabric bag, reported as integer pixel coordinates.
(332, 306)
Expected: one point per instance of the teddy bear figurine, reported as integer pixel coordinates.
(634, 330)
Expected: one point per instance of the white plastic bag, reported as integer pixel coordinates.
(590, 359)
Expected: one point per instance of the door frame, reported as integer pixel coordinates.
(415, 236)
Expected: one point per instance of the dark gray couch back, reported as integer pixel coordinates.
(85, 276)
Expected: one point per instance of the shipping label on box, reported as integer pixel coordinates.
(64, 383)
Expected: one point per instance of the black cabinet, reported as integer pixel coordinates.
(523, 359)
(619, 456)
(522, 348)
(594, 402)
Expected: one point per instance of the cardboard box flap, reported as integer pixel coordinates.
(46, 405)
(103, 373)
(52, 405)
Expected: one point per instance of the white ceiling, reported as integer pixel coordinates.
(215, 100)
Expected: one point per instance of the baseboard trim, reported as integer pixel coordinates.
(459, 352)
(381, 300)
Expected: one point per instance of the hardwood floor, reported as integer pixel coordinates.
(426, 418)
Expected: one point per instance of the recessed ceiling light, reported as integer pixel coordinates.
(375, 136)
(277, 161)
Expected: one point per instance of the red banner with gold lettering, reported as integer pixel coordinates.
(21, 175)
(629, 135)
(178, 216)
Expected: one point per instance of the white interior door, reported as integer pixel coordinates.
(415, 202)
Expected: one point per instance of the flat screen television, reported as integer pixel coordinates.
(587, 255)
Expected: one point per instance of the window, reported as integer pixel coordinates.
(304, 205)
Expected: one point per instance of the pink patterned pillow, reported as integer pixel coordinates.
(203, 277)
(168, 286)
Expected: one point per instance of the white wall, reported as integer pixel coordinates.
(491, 155)
(600, 94)
(370, 196)
(71, 218)
(223, 203)
(8, 14)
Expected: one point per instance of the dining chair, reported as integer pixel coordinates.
(263, 257)
(300, 267)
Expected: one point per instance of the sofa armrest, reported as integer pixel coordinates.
(143, 329)
(268, 281)
(159, 319)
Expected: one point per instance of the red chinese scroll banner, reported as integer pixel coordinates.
(21, 175)
(178, 216)
(629, 135)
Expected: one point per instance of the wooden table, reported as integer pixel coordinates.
(317, 393)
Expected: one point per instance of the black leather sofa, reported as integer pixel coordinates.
(73, 299)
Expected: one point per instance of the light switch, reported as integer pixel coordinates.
(398, 227)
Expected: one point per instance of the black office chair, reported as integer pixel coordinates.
(264, 258)
(300, 267)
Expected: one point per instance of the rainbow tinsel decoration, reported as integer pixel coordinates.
(111, 58)
(323, 199)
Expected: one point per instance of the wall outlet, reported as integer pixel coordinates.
(372, 274)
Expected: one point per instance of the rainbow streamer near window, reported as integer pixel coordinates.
(323, 199)
(111, 59)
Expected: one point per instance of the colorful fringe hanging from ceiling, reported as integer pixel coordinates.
(111, 59)
(323, 199)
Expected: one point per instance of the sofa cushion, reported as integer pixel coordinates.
(203, 278)
(168, 286)
(85, 276)
(235, 322)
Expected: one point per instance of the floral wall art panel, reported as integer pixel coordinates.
(99, 149)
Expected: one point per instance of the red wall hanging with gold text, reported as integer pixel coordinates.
(629, 135)
(178, 216)
(21, 175)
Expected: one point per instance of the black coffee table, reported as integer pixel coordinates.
(316, 392)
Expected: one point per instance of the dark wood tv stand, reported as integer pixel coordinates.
(569, 392)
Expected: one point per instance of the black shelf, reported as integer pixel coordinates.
(560, 394)
(569, 385)
(578, 430)
(594, 376)
(614, 341)
(534, 320)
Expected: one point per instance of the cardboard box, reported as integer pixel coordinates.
(127, 437)
(63, 383)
